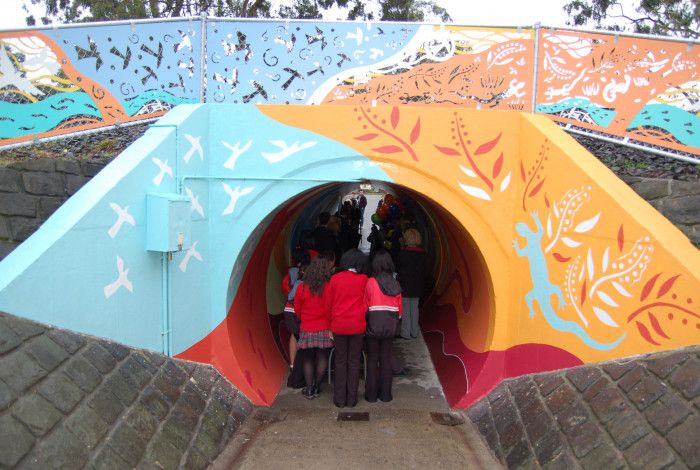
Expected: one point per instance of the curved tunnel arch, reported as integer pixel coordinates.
(459, 309)
(478, 174)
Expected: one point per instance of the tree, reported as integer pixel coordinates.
(72, 11)
(662, 17)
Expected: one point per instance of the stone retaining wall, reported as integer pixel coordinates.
(75, 401)
(643, 412)
(32, 189)
(679, 201)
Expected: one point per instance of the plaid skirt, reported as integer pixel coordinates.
(315, 339)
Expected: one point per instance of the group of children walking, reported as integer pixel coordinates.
(356, 306)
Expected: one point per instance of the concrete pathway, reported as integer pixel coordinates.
(416, 430)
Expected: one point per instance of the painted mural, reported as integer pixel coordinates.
(590, 269)
(641, 89)
(553, 261)
(384, 63)
(62, 80)
(57, 81)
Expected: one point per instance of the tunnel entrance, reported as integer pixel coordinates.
(457, 308)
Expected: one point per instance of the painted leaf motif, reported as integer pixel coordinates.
(621, 238)
(484, 148)
(467, 171)
(666, 286)
(587, 225)
(506, 182)
(583, 293)
(561, 258)
(645, 334)
(415, 133)
(476, 192)
(590, 265)
(394, 116)
(556, 210)
(537, 188)
(447, 150)
(522, 170)
(549, 226)
(657, 326)
(606, 260)
(497, 166)
(618, 287)
(648, 287)
(570, 243)
(546, 200)
(387, 149)
(582, 273)
(369, 136)
(607, 299)
(605, 317)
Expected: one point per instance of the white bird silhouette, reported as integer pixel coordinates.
(122, 216)
(9, 75)
(186, 42)
(235, 194)
(236, 151)
(358, 36)
(196, 146)
(191, 253)
(164, 169)
(122, 280)
(194, 200)
(285, 150)
(374, 53)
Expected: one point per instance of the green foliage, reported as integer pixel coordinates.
(72, 11)
(661, 17)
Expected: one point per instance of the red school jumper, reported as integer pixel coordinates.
(313, 310)
(348, 309)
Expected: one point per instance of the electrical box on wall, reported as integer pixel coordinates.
(168, 222)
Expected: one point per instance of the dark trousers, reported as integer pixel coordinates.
(378, 382)
(348, 349)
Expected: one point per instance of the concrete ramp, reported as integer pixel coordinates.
(542, 258)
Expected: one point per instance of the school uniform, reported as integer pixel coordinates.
(384, 309)
(346, 290)
(314, 313)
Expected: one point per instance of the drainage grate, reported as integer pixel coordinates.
(447, 419)
(353, 416)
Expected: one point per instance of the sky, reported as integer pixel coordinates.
(468, 12)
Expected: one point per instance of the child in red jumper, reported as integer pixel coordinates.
(312, 306)
(347, 290)
(383, 302)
